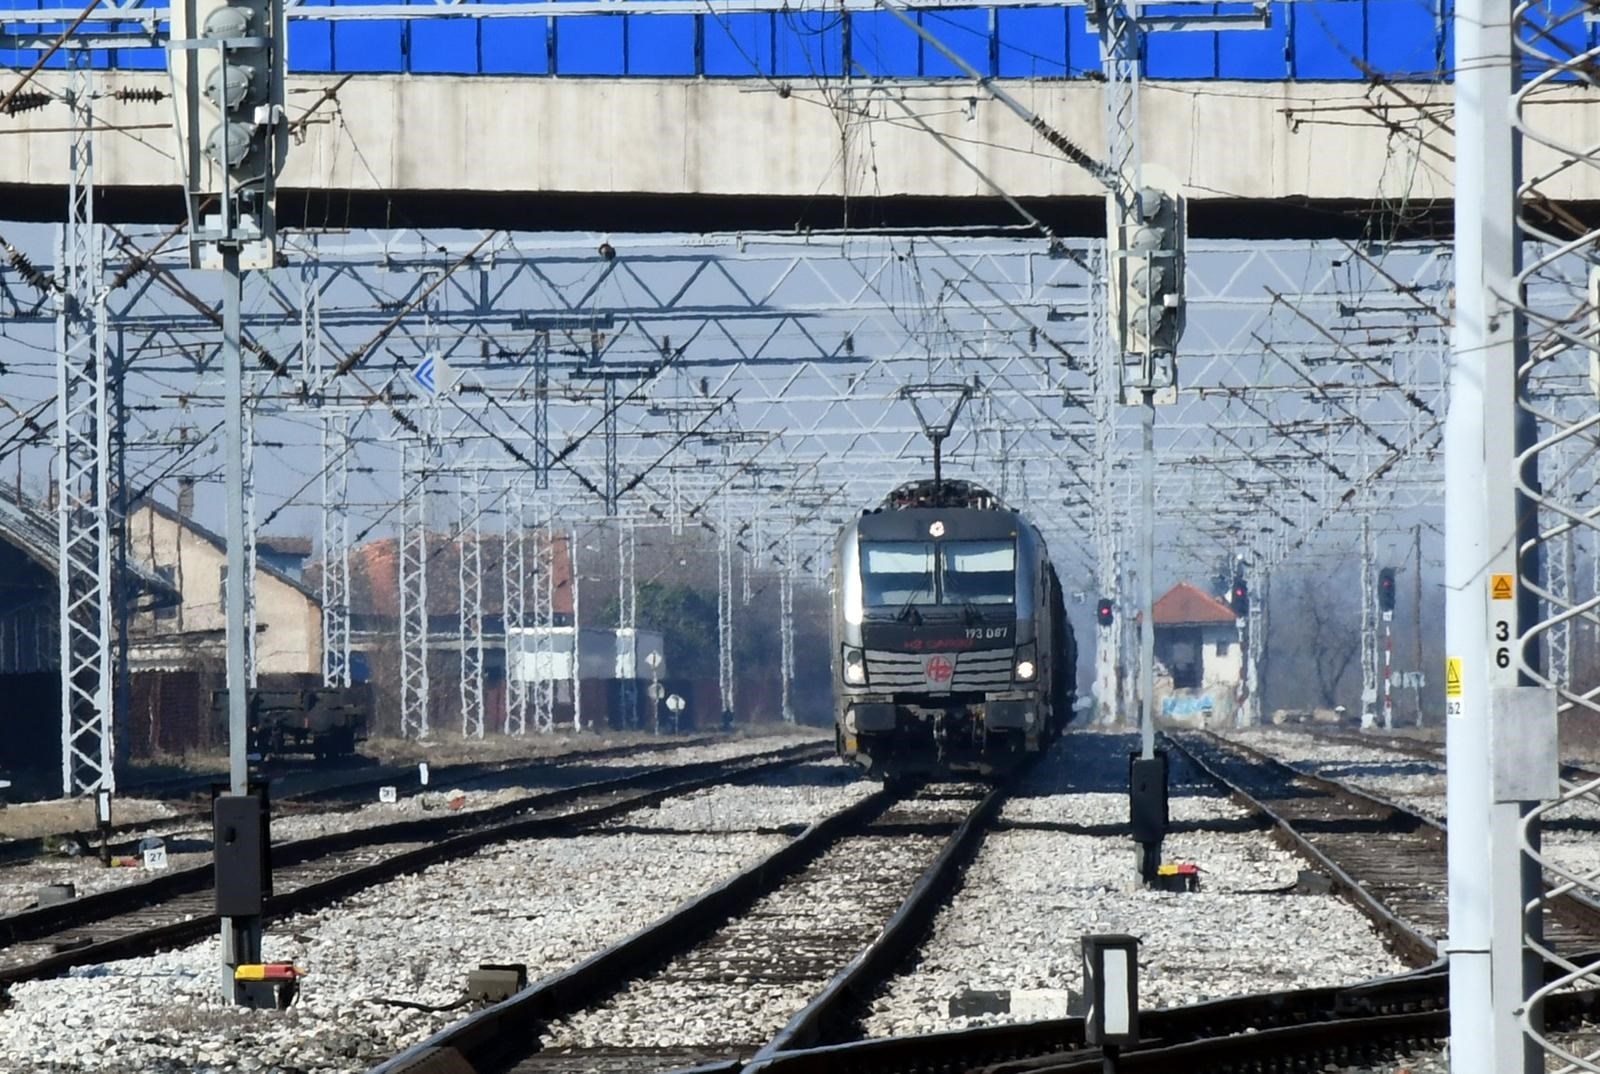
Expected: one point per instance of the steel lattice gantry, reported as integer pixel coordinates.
(693, 379)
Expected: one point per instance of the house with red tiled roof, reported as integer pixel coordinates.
(1199, 659)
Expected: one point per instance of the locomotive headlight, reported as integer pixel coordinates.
(855, 666)
(1025, 669)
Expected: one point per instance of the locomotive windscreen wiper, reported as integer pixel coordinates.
(908, 610)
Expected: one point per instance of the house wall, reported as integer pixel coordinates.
(1214, 700)
(288, 622)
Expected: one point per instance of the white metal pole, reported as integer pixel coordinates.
(1487, 968)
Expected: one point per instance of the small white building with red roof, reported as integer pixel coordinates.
(1199, 659)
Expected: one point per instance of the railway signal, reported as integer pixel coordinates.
(1239, 598)
(1104, 612)
(1386, 590)
(1149, 317)
(227, 62)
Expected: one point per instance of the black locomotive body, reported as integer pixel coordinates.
(952, 650)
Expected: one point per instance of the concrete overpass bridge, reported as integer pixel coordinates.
(724, 116)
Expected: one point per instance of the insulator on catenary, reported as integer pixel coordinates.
(27, 102)
(26, 270)
(144, 95)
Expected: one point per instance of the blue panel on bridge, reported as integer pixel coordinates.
(516, 47)
(590, 46)
(368, 45)
(883, 45)
(310, 45)
(661, 45)
(1185, 54)
(738, 45)
(1329, 39)
(1083, 43)
(444, 46)
(969, 34)
(1256, 55)
(1402, 38)
(810, 44)
(1033, 43)
(1314, 40)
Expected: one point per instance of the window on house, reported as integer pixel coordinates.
(1224, 647)
(170, 576)
(222, 586)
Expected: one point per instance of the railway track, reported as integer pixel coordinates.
(890, 859)
(298, 788)
(177, 907)
(1385, 858)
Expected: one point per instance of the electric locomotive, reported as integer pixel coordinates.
(952, 653)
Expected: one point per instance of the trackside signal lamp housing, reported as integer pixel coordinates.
(226, 60)
(1103, 612)
(1386, 590)
(1239, 598)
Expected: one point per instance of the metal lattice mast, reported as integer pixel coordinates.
(576, 579)
(1108, 648)
(335, 549)
(83, 451)
(513, 607)
(1369, 630)
(627, 625)
(1552, 313)
(413, 579)
(470, 575)
(786, 627)
(543, 593)
(335, 427)
(725, 605)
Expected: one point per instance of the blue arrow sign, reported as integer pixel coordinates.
(424, 376)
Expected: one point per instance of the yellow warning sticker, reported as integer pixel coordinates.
(1452, 676)
(1502, 587)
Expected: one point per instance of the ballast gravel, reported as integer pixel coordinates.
(546, 903)
(20, 883)
(789, 798)
(747, 981)
(1035, 889)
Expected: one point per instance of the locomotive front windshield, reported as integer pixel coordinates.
(980, 572)
(899, 573)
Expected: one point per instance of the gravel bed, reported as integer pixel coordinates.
(33, 819)
(19, 883)
(547, 903)
(1098, 809)
(1030, 894)
(747, 981)
(720, 751)
(790, 797)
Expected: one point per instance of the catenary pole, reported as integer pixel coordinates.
(1487, 872)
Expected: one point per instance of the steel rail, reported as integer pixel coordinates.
(853, 986)
(484, 828)
(1571, 911)
(1411, 944)
(1016, 1047)
(14, 851)
(495, 1037)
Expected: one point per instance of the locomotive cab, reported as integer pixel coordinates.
(949, 631)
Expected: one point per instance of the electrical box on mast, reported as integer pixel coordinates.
(226, 58)
(1147, 241)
